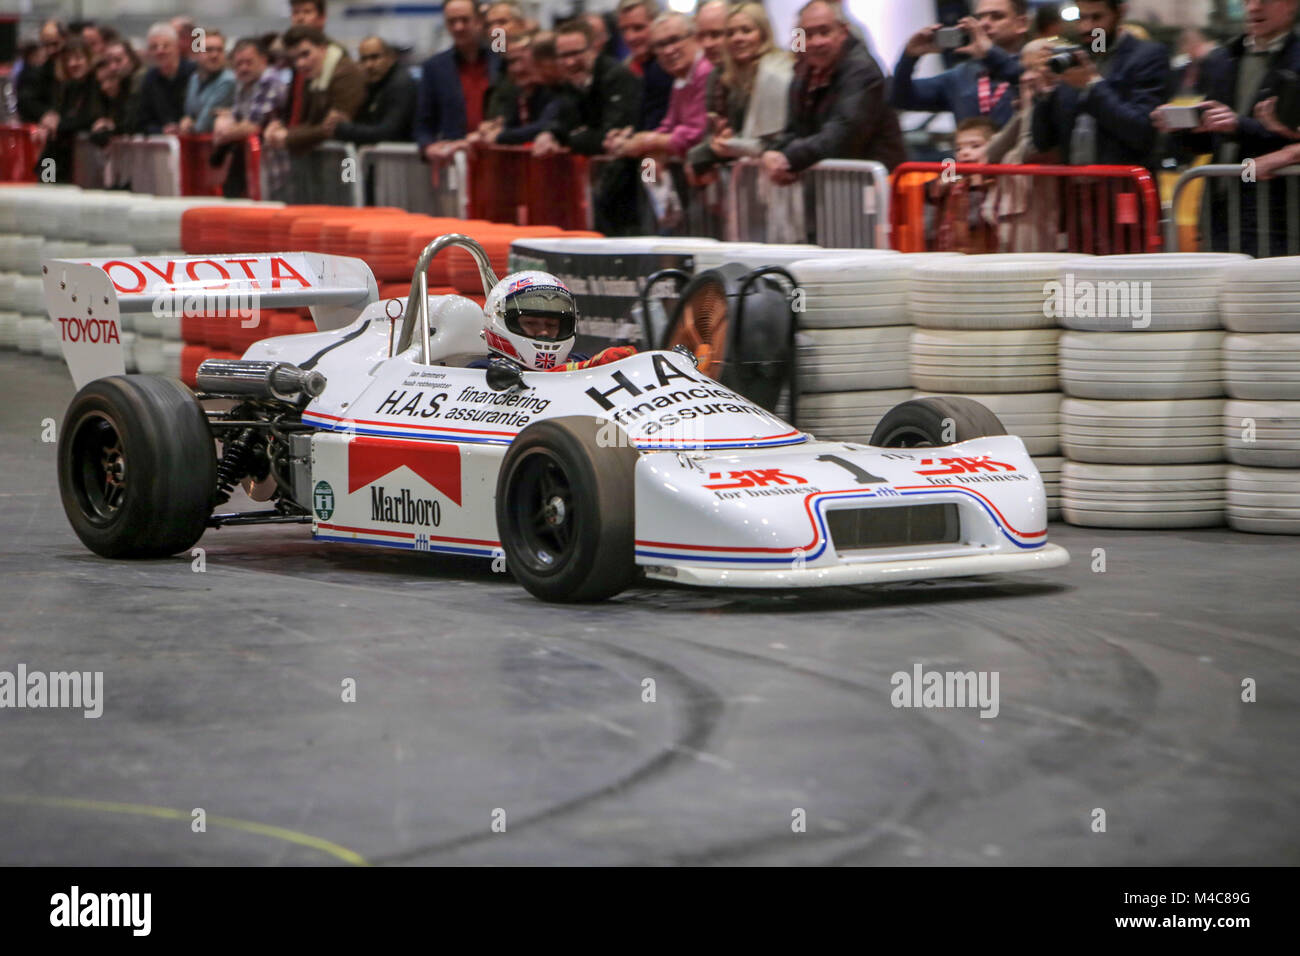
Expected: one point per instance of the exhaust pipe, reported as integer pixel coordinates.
(250, 378)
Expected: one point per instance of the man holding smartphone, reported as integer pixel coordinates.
(985, 84)
(1237, 80)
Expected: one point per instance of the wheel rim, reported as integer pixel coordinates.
(907, 436)
(542, 513)
(98, 469)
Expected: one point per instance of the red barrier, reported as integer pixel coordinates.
(1099, 210)
(198, 178)
(19, 151)
(507, 184)
(253, 167)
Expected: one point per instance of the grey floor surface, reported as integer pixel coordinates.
(1119, 691)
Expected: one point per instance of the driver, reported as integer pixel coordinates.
(532, 320)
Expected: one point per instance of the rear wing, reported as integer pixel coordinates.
(87, 299)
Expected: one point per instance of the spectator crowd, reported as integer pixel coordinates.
(668, 99)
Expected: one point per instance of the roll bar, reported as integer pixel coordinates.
(420, 289)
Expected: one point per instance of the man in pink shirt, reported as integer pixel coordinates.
(672, 37)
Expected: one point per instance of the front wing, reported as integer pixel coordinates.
(807, 516)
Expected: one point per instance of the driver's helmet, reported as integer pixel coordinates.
(531, 319)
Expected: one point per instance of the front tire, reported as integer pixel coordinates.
(137, 467)
(933, 422)
(565, 509)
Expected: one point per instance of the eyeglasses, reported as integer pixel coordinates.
(670, 42)
(571, 53)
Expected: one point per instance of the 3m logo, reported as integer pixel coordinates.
(964, 466)
(755, 479)
(89, 330)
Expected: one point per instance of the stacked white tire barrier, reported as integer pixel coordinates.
(1143, 432)
(65, 222)
(981, 325)
(1261, 422)
(982, 332)
(853, 338)
(1143, 496)
(1142, 366)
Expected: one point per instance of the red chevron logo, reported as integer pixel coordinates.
(438, 463)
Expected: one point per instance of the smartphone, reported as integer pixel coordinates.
(1181, 117)
(950, 38)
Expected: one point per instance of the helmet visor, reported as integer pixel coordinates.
(541, 314)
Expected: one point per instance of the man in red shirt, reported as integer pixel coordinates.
(454, 84)
(634, 19)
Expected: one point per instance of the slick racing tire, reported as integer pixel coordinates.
(565, 509)
(137, 467)
(932, 422)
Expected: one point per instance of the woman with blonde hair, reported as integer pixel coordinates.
(747, 98)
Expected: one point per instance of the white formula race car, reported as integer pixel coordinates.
(374, 431)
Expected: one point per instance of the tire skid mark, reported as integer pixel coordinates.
(703, 711)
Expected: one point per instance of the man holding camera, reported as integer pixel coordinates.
(984, 84)
(1244, 83)
(1094, 103)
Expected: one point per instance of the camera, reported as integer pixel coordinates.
(1062, 58)
(950, 38)
(1181, 117)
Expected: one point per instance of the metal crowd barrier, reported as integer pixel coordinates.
(394, 174)
(706, 209)
(851, 203)
(1276, 221)
(148, 165)
(1099, 210)
(89, 164)
(837, 203)
(18, 153)
(329, 175)
(145, 164)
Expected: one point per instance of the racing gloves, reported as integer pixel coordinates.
(612, 354)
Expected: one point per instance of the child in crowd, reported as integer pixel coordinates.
(961, 224)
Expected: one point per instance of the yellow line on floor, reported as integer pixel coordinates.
(167, 813)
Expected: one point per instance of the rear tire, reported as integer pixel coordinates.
(137, 467)
(565, 509)
(933, 422)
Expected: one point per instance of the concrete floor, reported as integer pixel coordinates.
(1119, 690)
